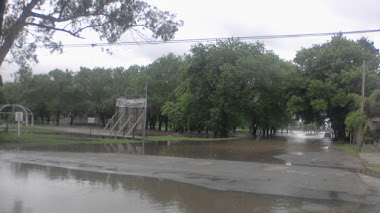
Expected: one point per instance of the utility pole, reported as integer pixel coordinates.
(360, 130)
(363, 86)
(145, 109)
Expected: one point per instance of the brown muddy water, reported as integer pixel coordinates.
(40, 189)
(258, 150)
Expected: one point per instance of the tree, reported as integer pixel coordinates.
(227, 82)
(354, 121)
(61, 85)
(162, 76)
(39, 96)
(95, 89)
(266, 91)
(29, 23)
(331, 72)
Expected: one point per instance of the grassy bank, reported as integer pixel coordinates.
(35, 136)
(347, 148)
(35, 139)
(353, 151)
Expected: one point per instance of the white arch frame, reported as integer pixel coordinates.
(26, 110)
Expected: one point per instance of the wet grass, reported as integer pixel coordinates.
(374, 166)
(349, 149)
(35, 136)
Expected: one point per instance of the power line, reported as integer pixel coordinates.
(200, 40)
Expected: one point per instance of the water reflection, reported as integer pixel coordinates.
(32, 188)
(261, 150)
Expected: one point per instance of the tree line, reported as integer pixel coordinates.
(218, 87)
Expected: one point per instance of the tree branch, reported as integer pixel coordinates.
(75, 34)
(54, 19)
(62, 9)
(47, 17)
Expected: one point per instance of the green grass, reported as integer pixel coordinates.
(368, 149)
(352, 150)
(181, 138)
(348, 149)
(374, 166)
(35, 136)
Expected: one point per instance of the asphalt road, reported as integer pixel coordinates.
(303, 180)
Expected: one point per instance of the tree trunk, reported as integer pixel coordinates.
(71, 119)
(224, 125)
(58, 116)
(15, 30)
(166, 119)
(254, 128)
(159, 122)
(103, 118)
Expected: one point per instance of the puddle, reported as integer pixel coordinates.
(33, 188)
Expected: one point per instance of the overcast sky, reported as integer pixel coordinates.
(220, 18)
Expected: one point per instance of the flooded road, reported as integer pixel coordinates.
(40, 189)
(257, 150)
(223, 176)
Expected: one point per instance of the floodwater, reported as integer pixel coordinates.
(258, 150)
(32, 188)
(40, 189)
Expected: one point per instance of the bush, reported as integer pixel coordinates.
(367, 135)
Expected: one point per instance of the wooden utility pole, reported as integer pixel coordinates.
(2, 14)
(363, 87)
(145, 109)
(359, 139)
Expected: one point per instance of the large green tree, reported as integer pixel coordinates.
(331, 72)
(162, 79)
(30, 23)
(227, 82)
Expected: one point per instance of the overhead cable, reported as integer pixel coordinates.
(200, 40)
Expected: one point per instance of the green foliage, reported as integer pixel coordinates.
(228, 82)
(372, 104)
(354, 120)
(332, 76)
(319, 105)
(35, 22)
(218, 87)
(2, 96)
(162, 78)
(367, 135)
